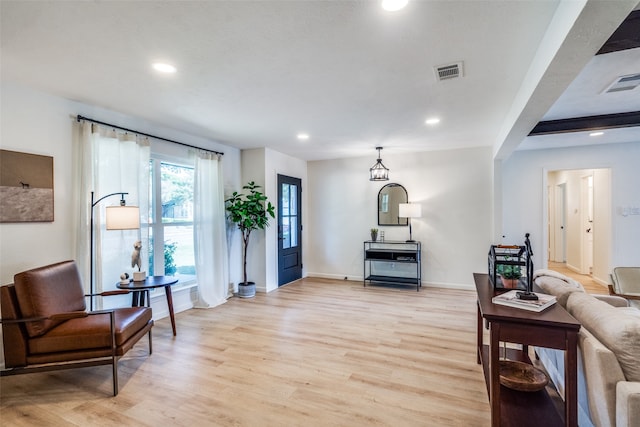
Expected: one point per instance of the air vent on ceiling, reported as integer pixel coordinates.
(449, 71)
(623, 83)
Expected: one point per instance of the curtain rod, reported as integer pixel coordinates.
(87, 119)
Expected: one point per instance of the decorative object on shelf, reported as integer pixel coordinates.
(389, 198)
(505, 264)
(138, 276)
(410, 210)
(120, 217)
(378, 172)
(374, 234)
(513, 299)
(522, 376)
(124, 278)
(509, 274)
(249, 211)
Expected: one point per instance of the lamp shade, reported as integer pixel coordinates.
(123, 217)
(409, 210)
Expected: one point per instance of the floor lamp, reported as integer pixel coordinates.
(121, 217)
(409, 210)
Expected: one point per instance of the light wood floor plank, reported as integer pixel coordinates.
(590, 285)
(317, 352)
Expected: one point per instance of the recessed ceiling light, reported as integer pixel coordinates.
(596, 133)
(303, 136)
(394, 5)
(432, 121)
(164, 68)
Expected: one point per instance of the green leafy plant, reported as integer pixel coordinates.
(249, 211)
(509, 271)
(169, 262)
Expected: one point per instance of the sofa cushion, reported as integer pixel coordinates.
(556, 284)
(627, 403)
(601, 372)
(48, 290)
(616, 328)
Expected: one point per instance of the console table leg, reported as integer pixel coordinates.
(479, 334)
(494, 373)
(571, 380)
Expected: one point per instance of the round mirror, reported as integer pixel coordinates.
(389, 197)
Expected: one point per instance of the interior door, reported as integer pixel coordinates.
(289, 229)
(560, 234)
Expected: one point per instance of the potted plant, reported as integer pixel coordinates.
(249, 211)
(510, 274)
(374, 234)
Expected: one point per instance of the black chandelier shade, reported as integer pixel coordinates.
(379, 172)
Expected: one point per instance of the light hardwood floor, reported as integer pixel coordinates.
(316, 353)
(590, 285)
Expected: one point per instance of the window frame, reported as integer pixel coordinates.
(156, 225)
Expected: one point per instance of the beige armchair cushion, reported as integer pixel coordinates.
(626, 280)
(616, 328)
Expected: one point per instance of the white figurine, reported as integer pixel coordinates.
(135, 256)
(124, 278)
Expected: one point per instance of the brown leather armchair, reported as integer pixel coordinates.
(45, 325)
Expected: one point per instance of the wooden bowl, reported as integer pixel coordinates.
(522, 376)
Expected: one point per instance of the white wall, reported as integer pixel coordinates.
(35, 122)
(454, 188)
(524, 180)
(263, 166)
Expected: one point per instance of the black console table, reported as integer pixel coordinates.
(393, 262)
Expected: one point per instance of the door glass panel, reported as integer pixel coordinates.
(294, 202)
(286, 235)
(285, 200)
(293, 231)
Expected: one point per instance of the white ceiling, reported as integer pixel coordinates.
(256, 73)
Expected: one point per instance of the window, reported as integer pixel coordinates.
(171, 220)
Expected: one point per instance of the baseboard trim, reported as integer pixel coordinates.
(443, 285)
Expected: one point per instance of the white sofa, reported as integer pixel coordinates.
(608, 353)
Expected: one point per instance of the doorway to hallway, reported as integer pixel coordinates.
(579, 222)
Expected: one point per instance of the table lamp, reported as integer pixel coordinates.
(409, 210)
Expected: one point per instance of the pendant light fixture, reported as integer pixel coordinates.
(378, 171)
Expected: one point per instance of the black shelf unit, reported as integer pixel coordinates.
(380, 259)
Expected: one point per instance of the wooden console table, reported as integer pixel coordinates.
(552, 328)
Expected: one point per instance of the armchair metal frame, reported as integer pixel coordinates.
(80, 363)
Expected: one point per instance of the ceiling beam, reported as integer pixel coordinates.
(588, 123)
(627, 36)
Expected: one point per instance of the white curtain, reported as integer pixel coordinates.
(109, 161)
(209, 231)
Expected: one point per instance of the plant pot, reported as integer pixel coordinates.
(374, 236)
(509, 283)
(247, 289)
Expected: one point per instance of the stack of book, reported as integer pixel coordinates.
(510, 299)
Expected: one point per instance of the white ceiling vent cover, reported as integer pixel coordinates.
(623, 83)
(449, 71)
